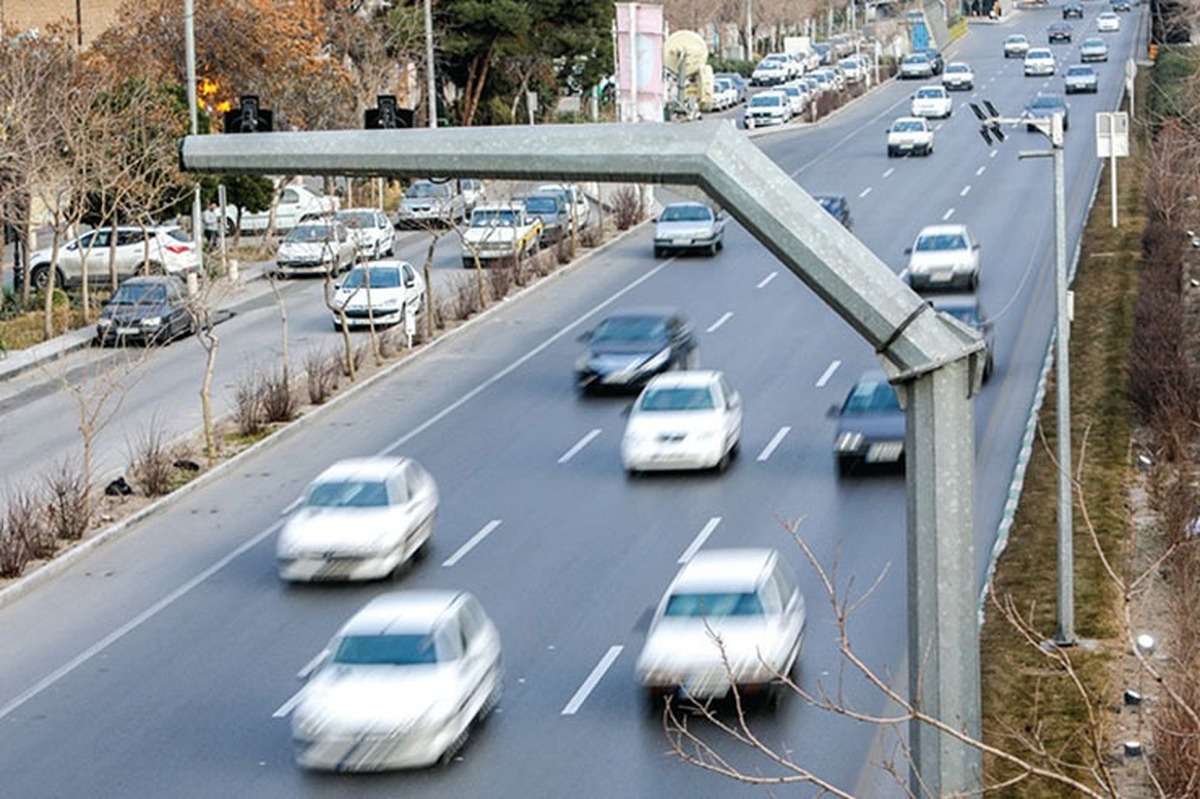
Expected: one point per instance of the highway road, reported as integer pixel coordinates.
(163, 663)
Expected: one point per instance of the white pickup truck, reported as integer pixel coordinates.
(500, 233)
(296, 204)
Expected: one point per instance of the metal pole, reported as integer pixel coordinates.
(1112, 162)
(431, 87)
(189, 36)
(1066, 548)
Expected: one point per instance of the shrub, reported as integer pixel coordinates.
(152, 463)
(321, 371)
(70, 505)
(628, 207)
(247, 406)
(277, 397)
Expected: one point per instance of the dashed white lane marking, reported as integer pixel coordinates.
(774, 442)
(889, 172)
(948, 214)
(993, 153)
(472, 542)
(980, 171)
(766, 280)
(828, 373)
(966, 190)
(864, 192)
(725, 317)
(592, 680)
(580, 444)
(699, 540)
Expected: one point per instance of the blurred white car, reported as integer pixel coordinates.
(400, 684)
(683, 420)
(316, 248)
(745, 599)
(768, 108)
(1039, 61)
(379, 293)
(371, 230)
(910, 136)
(359, 520)
(1108, 22)
(769, 72)
(943, 257)
(932, 101)
(958, 76)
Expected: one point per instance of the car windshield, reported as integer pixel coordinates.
(381, 277)
(303, 234)
(348, 494)
(1079, 71)
(915, 59)
(941, 241)
(677, 399)
(964, 313)
(1045, 103)
(957, 68)
(139, 294)
(713, 605)
(908, 125)
(408, 649)
(766, 100)
(425, 190)
(871, 397)
(493, 217)
(630, 328)
(541, 205)
(686, 213)
(1036, 54)
(356, 219)
(1094, 43)
(1017, 39)
(930, 93)
(831, 204)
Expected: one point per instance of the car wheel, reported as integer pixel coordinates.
(712, 249)
(929, 150)
(845, 467)
(39, 277)
(659, 252)
(723, 462)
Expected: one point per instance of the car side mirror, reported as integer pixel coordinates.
(974, 246)
(337, 286)
(833, 411)
(908, 250)
(735, 400)
(409, 282)
(583, 337)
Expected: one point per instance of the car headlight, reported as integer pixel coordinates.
(848, 441)
(104, 322)
(656, 361)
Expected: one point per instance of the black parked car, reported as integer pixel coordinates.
(837, 205)
(556, 217)
(628, 348)
(146, 310)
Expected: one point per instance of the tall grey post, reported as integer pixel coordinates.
(935, 361)
(1062, 379)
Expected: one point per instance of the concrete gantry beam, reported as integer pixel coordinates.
(935, 362)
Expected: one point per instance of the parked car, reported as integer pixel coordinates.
(768, 108)
(731, 619)
(958, 76)
(916, 65)
(1093, 49)
(1081, 78)
(797, 96)
(1108, 22)
(936, 62)
(966, 309)
(153, 250)
(1072, 10)
(316, 248)
(838, 206)
(400, 685)
(769, 72)
(834, 76)
(473, 193)
(373, 234)
(500, 233)
(853, 69)
(723, 95)
(1058, 33)
(296, 204)
(360, 519)
(1046, 104)
(551, 208)
(378, 293)
(578, 204)
(944, 256)
(1039, 61)
(1016, 45)
(145, 310)
(689, 227)
(683, 420)
(870, 426)
(739, 83)
(825, 54)
(427, 202)
(629, 348)
(932, 101)
(910, 136)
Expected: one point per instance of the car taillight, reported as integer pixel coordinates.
(179, 249)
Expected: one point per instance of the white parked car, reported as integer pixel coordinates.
(853, 69)
(932, 101)
(724, 95)
(944, 257)
(1108, 22)
(316, 248)
(683, 420)
(371, 230)
(158, 250)
(576, 200)
(380, 293)
(744, 601)
(910, 136)
(1039, 61)
(769, 72)
(359, 520)
(768, 108)
(400, 684)
(797, 96)
(958, 76)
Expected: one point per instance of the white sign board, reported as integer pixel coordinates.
(1112, 134)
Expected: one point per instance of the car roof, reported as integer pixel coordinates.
(945, 302)
(651, 311)
(724, 569)
(922, 120)
(687, 204)
(937, 230)
(362, 210)
(361, 469)
(398, 611)
(383, 263)
(691, 378)
(151, 280)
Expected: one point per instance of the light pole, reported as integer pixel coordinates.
(431, 87)
(189, 36)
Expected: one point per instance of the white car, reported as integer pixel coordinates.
(371, 230)
(316, 248)
(768, 108)
(797, 96)
(743, 601)
(932, 101)
(958, 76)
(852, 69)
(359, 520)
(1108, 22)
(724, 95)
(153, 250)
(428, 202)
(943, 257)
(379, 293)
(400, 684)
(689, 227)
(1039, 61)
(683, 420)
(910, 136)
(1016, 46)
(769, 72)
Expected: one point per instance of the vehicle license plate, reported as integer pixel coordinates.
(887, 452)
(681, 241)
(127, 331)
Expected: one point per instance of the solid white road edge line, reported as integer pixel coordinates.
(583, 442)
(823, 380)
(775, 442)
(699, 540)
(592, 680)
(471, 543)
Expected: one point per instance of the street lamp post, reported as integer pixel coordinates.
(431, 87)
(189, 36)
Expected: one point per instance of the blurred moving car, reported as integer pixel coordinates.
(1046, 104)
(146, 310)
(689, 226)
(966, 309)
(316, 248)
(943, 256)
(910, 136)
(1016, 45)
(683, 420)
(630, 347)
(958, 76)
(1093, 49)
(1122, 5)
(870, 426)
(932, 101)
(1058, 33)
(731, 619)
(373, 234)
(153, 250)
(1081, 78)
(360, 519)
(427, 202)
(1108, 22)
(916, 65)
(838, 206)
(378, 293)
(768, 108)
(1072, 9)
(400, 684)
(1039, 61)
